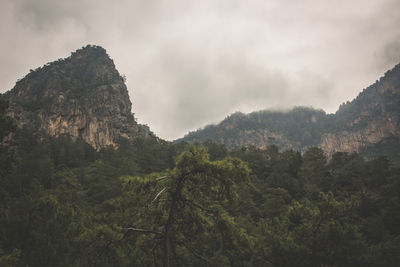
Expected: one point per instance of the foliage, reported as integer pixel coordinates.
(7, 125)
(151, 203)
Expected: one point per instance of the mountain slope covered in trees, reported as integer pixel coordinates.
(145, 202)
(83, 96)
(370, 124)
(150, 204)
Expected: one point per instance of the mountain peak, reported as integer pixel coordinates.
(90, 49)
(82, 95)
(92, 53)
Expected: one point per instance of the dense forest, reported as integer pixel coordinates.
(153, 203)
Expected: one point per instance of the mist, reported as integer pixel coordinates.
(190, 63)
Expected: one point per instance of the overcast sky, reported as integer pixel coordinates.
(189, 63)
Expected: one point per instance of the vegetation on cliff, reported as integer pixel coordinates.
(81, 184)
(366, 125)
(151, 203)
(83, 96)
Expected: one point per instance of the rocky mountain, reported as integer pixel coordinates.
(83, 96)
(369, 124)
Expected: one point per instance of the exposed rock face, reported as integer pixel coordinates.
(372, 119)
(355, 141)
(253, 135)
(82, 96)
(369, 120)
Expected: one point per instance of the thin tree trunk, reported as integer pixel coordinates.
(170, 221)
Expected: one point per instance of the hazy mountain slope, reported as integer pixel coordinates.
(365, 124)
(289, 130)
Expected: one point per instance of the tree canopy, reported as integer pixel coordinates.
(152, 203)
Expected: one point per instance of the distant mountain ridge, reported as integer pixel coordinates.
(83, 96)
(368, 124)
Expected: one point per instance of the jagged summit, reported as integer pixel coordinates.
(86, 66)
(82, 95)
(90, 51)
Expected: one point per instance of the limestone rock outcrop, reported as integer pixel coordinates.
(83, 96)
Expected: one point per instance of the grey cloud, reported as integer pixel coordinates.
(207, 88)
(389, 55)
(190, 63)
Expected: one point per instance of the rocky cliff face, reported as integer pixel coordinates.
(83, 96)
(372, 119)
(354, 141)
